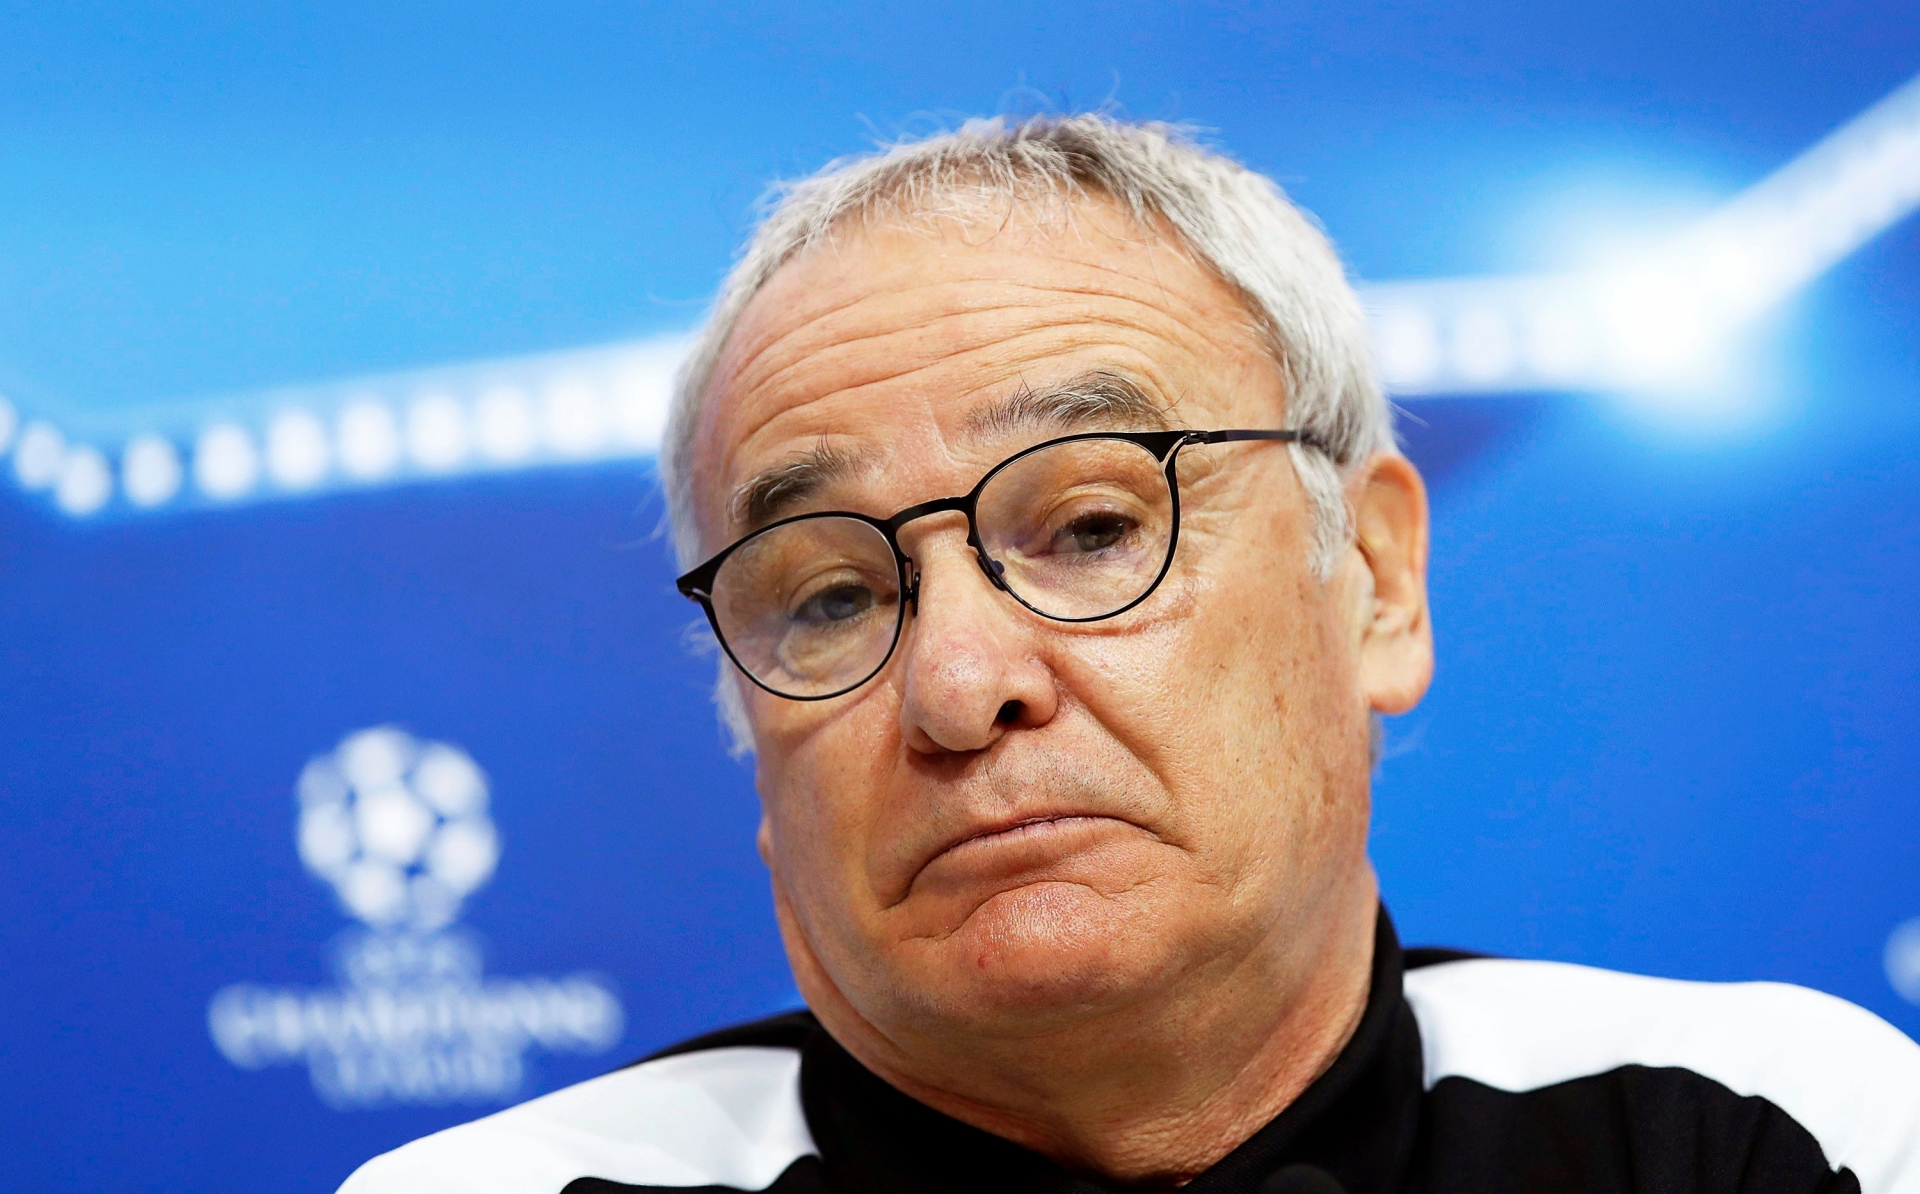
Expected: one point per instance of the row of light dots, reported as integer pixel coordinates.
(369, 440)
(1420, 347)
(1482, 346)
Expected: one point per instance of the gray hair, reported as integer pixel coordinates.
(1235, 222)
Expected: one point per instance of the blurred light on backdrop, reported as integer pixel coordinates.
(225, 464)
(86, 481)
(150, 470)
(1657, 327)
(1903, 960)
(369, 441)
(594, 404)
(437, 433)
(503, 426)
(37, 457)
(297, 452)
(1663, 322)
(573, 417)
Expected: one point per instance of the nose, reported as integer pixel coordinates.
(972, 670)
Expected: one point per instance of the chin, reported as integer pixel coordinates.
(1043, 956)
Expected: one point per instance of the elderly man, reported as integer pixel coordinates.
(1034, 480)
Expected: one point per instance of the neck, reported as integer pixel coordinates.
(1151, 1093)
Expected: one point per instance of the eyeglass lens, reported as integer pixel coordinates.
(1079, 531)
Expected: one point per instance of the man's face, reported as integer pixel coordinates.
(1021, 822)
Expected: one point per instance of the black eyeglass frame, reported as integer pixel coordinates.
(697, 584)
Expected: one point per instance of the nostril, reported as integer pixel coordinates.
(1010, 713)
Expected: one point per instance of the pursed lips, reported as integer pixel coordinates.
(1024, 830)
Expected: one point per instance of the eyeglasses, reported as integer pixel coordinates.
(1077, 529)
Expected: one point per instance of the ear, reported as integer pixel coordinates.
(1394, 633)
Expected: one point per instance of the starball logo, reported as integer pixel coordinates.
(400, 829)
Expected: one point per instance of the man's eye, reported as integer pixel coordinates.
(1092, 532)
(836, 603)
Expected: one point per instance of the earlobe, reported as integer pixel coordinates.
(1396, 635)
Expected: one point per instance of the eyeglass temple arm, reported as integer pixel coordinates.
(1293, 435)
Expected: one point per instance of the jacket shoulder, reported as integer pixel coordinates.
(725, 1115)
(1848, 1077)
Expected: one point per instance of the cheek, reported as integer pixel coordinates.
(1235, 696)
(1204, 672)
(822, 775)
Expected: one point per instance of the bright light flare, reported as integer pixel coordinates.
(1665, 325)
(1658, 326)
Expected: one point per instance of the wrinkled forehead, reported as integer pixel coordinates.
(922, 343)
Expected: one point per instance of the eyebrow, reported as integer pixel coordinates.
(772, 492)
(1099, 398)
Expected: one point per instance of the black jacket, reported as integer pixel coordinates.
(1466, 1076)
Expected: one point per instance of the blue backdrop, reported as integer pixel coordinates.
(1671, 729)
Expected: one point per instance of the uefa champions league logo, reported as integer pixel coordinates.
(399, 828)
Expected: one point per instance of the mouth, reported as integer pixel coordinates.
(1025, 829)
(1003, 850)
